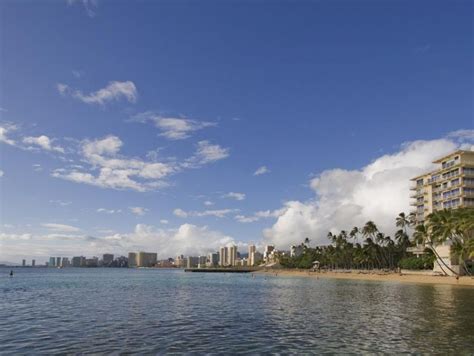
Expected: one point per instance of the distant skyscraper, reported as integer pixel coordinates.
(223, 256)
(33, 263)
(52, 262)
(146, 259)
(58, 261)
(92, 262)
(107, 259)
(132, 259)
(78, 261)
(65, 262)
(192, 262)
(23, 263)
(255, 257)
(212, 259)
(232, 255)
(202, 261)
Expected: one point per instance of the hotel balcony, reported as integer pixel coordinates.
(468, 194)
(416, 194)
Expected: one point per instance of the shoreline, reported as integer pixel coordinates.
(464, 281)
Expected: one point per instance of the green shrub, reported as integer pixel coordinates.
(418, 263)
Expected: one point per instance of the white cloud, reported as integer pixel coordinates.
(261, 170)
(4, 129)
(164, 221)
(218, 213)
(89, 5)
(60, 202)
(264, 214)
(208, 203)
(345, 198)
(206, 153)
(43, 142)
(60, 227)
(188, 239)
(138, 210)
(109, 211)
(110, 170)
(77, 73)
(113, 91)
(234, 195)
(1, 173)
(171, 127)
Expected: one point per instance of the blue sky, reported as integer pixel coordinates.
(179, 103)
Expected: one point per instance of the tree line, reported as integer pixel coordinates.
(368, 248)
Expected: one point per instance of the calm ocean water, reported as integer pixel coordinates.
(160, 311)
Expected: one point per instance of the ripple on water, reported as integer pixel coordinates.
(154, 311)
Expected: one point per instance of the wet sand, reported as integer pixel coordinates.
(381, 277)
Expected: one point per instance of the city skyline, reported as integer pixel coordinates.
(182, 150)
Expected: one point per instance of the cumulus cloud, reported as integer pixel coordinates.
(44, 142)
(112, 92)
(188, 239)
(111, 170)
(218, 213)
(107, 168)
(138, 210)
(347, 198)
(171, 127)
(60, 227)
(234, 195)
(261, 170)
(208, 203)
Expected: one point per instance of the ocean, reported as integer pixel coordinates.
(153, 311)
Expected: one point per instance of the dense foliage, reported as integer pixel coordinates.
(369, 248)
(422, 262)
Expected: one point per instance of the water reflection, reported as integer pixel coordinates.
(150, 311)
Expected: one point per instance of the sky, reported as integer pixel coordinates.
(181, 126)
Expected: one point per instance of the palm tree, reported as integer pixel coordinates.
(458, 227)
(422, 235)
(403, 222)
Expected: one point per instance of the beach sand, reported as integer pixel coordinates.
(381, 277)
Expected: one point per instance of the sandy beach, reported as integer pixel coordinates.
(381, 277)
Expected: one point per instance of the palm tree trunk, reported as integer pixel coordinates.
(438, 257)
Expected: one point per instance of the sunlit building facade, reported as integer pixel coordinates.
(451, 186)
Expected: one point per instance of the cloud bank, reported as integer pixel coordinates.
(347, 198)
